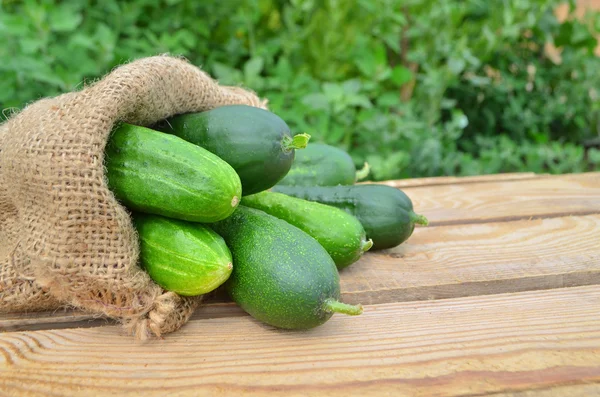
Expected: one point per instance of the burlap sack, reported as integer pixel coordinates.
(64, 239)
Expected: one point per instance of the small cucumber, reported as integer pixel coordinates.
(281, 275)
(257, 143)
(339, 232)
(158, 173)
(323, 165)
(183, 257)
(385, 212)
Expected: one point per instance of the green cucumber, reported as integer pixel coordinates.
(255, 142)
(385, 212)
(187, 258)
(162, 174)
(323, 165)
(281, 275)
(340, 233)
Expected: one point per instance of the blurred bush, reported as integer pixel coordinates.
(415, 87)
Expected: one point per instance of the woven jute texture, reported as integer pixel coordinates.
(64, 239)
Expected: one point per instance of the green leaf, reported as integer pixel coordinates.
(456, 65)
(64, 19)
(388, 167)
(225, 74)
(333, 92)
(31, 45)
(186, 38)
(358, 100)
(459, 120)
(594, 156)
(447, 103)
(81, 41)
(284, 67)
(388, 99)
(253, 67)
(317, 101)
(14, 25)
(335, 133)
(351, 86)
(401, 75)
(374, 63)
(478, 80)
(580, 34)
(40, 71)
(366, 65)
(7, 90)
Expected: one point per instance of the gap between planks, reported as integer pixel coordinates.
(436, 263)
(513, 344)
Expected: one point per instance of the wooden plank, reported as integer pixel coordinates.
(479, 259)
(442, 262)
(456, 347)
(588, 390)
(452, 180)
(577, 194)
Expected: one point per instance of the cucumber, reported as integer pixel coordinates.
(385, 212)
(157, 173)
(281, 275)
(340, 233)
(323, 165)
(255, 142)
(183, 257)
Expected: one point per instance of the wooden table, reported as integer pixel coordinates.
(499, 296)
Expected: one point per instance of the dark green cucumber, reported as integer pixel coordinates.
(257, 143)
(385, 212)
(187, 258)
(281, 275)
(339, 232)
(323, 165)
(158, 173)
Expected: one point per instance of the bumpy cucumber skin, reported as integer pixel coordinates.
(281, 275)
(246, 137)
(158, 173)
(340, 233)
(320, 164)
(385, 212)
(187, 258)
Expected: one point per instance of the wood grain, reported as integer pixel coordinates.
(453, 180)
(456, 347)
(586, 390)
(577, 194)
(479, 259)
(438, 263)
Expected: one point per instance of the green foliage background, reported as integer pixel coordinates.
(415, 87)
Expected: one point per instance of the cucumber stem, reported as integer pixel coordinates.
(363, 172)
(298, 141)
(418, 219)
(366, 245)
(332, 305)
